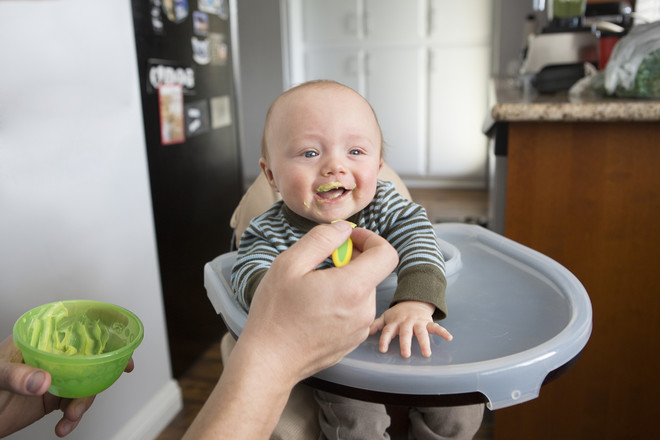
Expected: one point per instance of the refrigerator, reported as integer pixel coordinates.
(187, 81)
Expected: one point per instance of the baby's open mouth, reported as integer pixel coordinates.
(331, 191)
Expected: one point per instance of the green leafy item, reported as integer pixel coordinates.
(633, 70)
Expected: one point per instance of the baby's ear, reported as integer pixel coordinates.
(268, 173)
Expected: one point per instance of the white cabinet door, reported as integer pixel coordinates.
(347, 21)
(465, 22)
(393, 21)
(342, 65)
(395, 87)
(458, 103)
(330, 21)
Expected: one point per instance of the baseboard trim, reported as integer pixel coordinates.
(155, 415)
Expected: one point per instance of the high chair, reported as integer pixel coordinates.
(519, 320)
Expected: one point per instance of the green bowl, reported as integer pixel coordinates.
(84, 345)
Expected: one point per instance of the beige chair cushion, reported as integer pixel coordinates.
(260, 196)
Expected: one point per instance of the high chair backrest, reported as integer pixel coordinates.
(260, 196)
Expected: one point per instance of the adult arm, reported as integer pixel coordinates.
(301, 321)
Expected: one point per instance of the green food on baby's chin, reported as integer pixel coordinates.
(54, 331)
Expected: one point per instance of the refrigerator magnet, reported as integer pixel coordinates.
(196, 118)
(220, 111)
(200, 24)
(170, 109)
(176, 10)
(157, 17)
(218, 49)
(170, 72)
(200, 50)
(218, 7)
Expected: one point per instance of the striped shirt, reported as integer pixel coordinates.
(404, 224)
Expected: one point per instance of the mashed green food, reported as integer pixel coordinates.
(55, 331)
(328, 186)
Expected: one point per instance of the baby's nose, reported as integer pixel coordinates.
(333, 166)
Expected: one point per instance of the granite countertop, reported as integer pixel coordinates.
(509, 100)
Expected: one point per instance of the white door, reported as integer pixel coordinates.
(342, 65)
(393, 22)
(458, 103)
(329, 22)
(459, 37)
(395, 87)
(464, 22)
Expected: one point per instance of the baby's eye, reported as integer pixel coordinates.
(355, 152)
(310, 154)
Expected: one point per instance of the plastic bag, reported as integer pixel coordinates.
(634, 66)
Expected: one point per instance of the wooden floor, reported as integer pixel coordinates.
(196, 384)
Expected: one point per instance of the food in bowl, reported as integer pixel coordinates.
(85, 345)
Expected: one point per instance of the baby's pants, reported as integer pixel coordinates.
(342, 418)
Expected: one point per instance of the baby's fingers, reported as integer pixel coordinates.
(377, 325)
(405, 340)
(424, 339)
(388, 333)
(436, 329)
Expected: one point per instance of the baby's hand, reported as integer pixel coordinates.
(406, 319)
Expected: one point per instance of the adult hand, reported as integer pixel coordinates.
(333, 307)
(301, 320)
(23, 396)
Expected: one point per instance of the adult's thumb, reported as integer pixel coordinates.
(23, 379)
(315, 246)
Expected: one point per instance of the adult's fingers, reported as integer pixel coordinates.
(377, 325)
(72, 411)
(315, 246)
(375, 261)
(17, 377)
(23, 379)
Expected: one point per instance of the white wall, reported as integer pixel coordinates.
(261, 74)
(75, 209)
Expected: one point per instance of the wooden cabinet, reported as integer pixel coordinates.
(588, 195)
(422, 64)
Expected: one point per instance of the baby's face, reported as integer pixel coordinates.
(324, 152)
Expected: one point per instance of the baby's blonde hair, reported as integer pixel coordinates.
(313, 83)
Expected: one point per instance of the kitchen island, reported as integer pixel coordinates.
(578, 179)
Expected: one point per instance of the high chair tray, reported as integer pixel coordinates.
(518, 318)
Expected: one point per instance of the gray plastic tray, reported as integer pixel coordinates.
(516, 315)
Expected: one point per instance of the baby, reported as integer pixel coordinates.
(322, 150)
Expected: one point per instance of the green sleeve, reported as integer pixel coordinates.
(423, 282)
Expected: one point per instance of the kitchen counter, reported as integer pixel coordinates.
(578, 181)
(511, 102)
